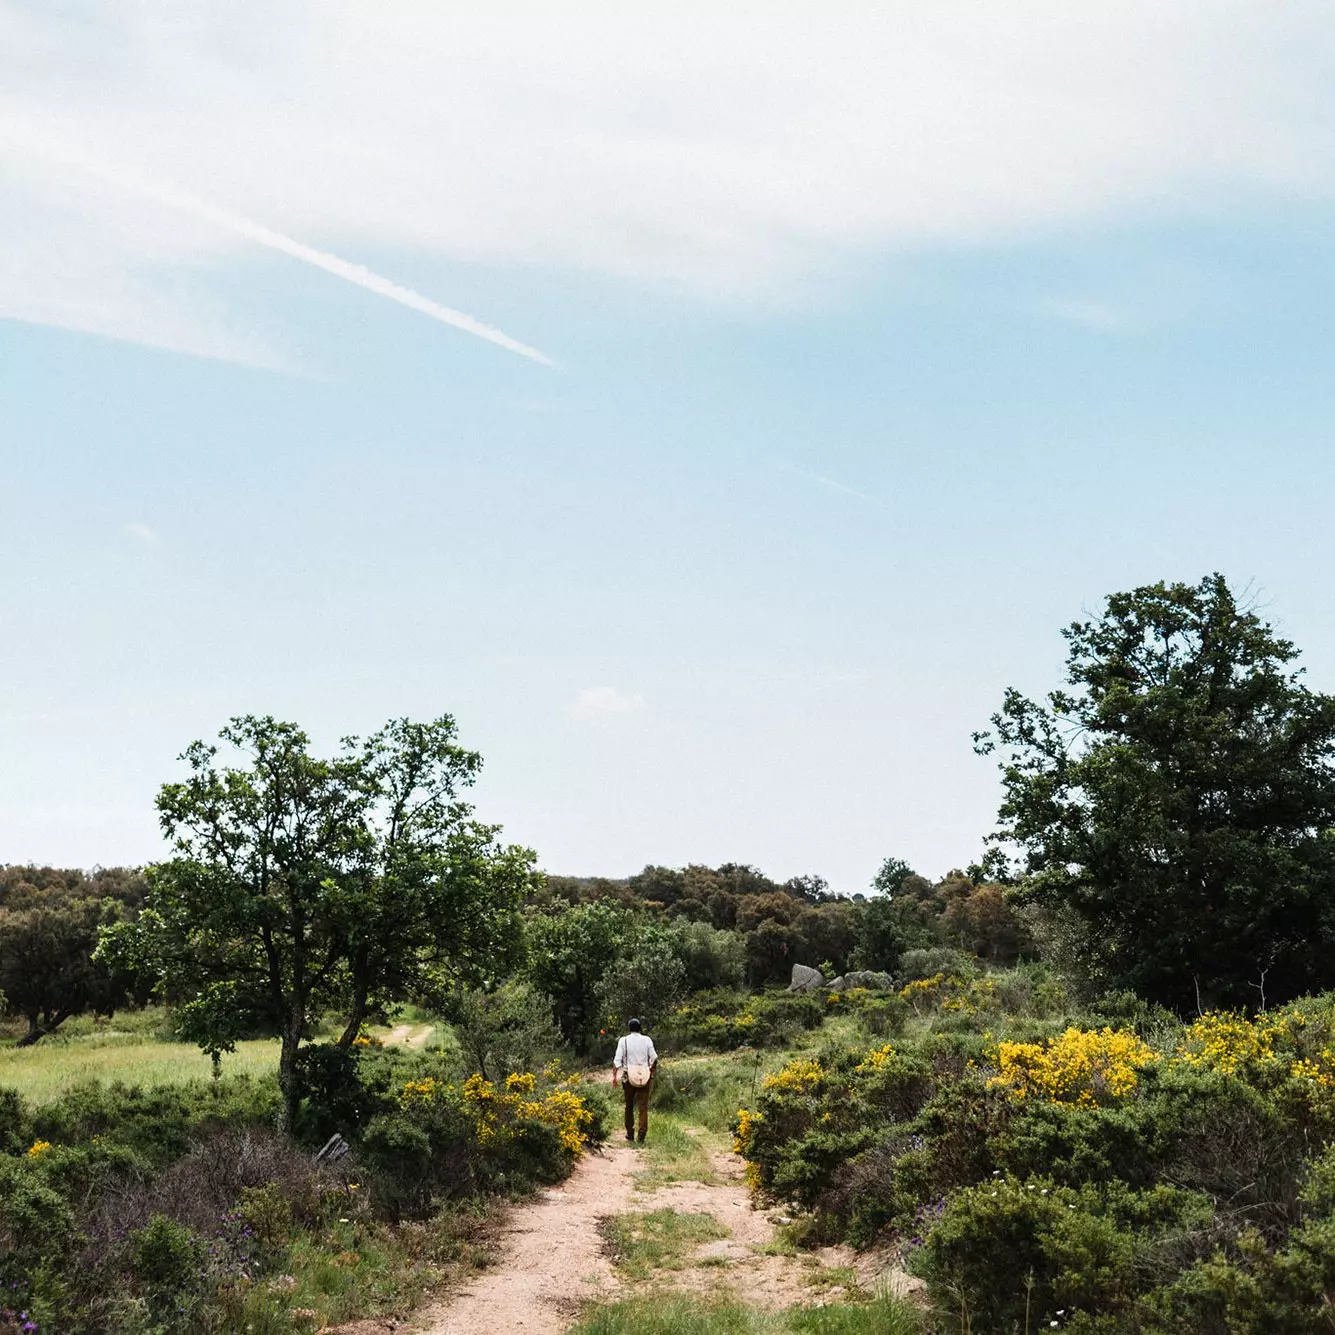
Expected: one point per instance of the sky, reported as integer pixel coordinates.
(713, 407)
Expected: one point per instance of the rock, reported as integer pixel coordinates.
(805, 979)
(868, 978)
(837, 984)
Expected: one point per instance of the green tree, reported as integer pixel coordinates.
(303, 886)
(568, 952)
(47, 970)
(1174, 802)
(647, 981)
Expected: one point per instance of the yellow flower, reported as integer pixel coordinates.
(1225, 1041)
(876, 1060)
(747, 1121)
(798, 1077)
(38, 1148)
(1082, 1066)
(419, 1093)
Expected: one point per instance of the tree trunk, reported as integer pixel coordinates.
(288, 1081)
(355, 1019)
(35, 1032)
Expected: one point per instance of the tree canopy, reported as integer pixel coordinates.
(303, 886)
(1174, 802)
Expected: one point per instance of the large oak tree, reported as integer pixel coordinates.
(304, 886)
(1175, 801)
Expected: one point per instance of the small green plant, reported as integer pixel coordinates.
(167, 1257)
(660, 1240)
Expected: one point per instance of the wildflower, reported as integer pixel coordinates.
(798, 1077)
(38, 1148)
(876, 1060)
(1084, 1067)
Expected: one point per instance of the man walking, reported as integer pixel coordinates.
(634, 1064)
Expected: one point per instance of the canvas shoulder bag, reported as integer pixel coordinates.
(638, 1074)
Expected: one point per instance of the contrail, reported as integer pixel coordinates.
(829, 482)
(357, 274)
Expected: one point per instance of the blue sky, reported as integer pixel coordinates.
(884, 347)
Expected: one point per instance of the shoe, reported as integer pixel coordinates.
(630, 1136)
(641, 1137)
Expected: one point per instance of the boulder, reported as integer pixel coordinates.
(837, 984)
(879, 982)
(805, 979)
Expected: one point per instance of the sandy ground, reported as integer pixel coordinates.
(552, 1260)
(408, 1035)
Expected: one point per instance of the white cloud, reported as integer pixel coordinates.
(739, 151)
(602, 701)
(142, 532)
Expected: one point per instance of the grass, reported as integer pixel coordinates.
(46, 1070)
(672, 1154)
(685, 1316)
(660, 1240)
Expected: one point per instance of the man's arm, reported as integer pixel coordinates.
(653, 1057)
(616, 1060)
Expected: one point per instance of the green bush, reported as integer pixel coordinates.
(1007, 1253)
(167, 1258)
(723, 1021)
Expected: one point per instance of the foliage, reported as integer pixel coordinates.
(1073, 1171)
(721, 1021)
(180, 1211)
(645, 982)
(568, 952)
(445, 1138)
(1174, 801)
(47, 969)
(1079, 1066)
(301, 885)
(506, 1029)
(1006, 1253)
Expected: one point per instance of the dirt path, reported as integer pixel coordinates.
(408, 1035)
(553, 1259)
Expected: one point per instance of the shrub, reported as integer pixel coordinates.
(931, 960)
(1080, 1066)
(166, 1256)
(725, 1021)
(1006, 1253)
(814, 1115)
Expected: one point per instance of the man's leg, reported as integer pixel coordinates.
(642, 1098)
(630, 1092)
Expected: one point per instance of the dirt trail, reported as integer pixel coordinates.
(552, 1259)
(408, 1035)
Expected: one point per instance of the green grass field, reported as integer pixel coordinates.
(44, 1071)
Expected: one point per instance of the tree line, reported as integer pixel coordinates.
(1167, 827)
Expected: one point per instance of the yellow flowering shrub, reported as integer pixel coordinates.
(500, 1115)
(38, 1148)
(744, 1134)
(1226, 1041)
(421, 1093)
(1081, 1066)
(1318, 1073)
(800, 1076)
(876, 1060)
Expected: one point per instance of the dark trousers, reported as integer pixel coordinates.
(636, 1098)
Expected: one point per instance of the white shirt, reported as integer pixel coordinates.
(634, 1050)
